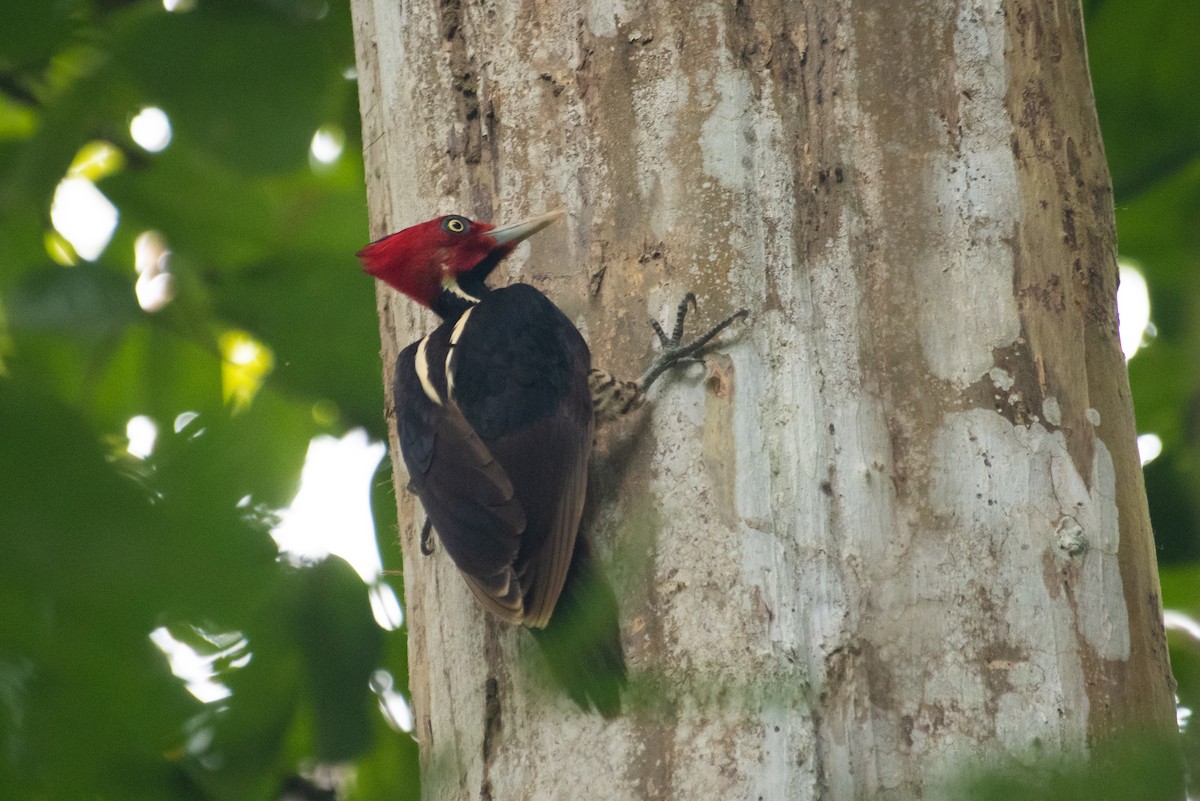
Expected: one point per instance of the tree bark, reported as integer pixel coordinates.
(898, 525)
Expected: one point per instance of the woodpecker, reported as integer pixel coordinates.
(495, 414)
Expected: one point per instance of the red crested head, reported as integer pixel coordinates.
(443, 254)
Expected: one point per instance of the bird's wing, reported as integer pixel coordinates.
(547, 464)
(468, 497)
(520, 376)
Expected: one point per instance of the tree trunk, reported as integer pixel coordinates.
(896, 525)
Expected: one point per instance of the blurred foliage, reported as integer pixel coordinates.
(101, 548)
(1144, 60)
(1132, 768)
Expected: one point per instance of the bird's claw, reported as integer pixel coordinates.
(662, 335)
(676, 353)
(677, 333)
(672, 342)
(426, 539)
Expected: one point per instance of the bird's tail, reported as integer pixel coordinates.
(582, 641)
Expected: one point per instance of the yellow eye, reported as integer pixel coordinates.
(455, 225)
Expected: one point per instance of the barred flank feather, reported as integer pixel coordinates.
(612, 397)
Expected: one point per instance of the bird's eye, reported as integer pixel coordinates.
(455, 225)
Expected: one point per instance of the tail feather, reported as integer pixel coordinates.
(582, 641)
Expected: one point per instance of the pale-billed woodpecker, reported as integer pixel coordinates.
(495, 412)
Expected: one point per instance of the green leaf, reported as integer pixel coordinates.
(254, 101)
(31, 32)
(325, 336)
(85, 301)
(342, 646)
(1144, 60)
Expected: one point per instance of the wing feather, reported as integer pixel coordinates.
(521, 377)
(500, 461)
(465, 491)
(553, 490)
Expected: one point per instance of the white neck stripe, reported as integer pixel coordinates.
(422, 364)
(454, 336)
(459, 326)
(451, 285)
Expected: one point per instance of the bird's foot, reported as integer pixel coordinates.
(675, 351)
(612, 397)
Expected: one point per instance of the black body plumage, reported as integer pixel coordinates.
(495, 423)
